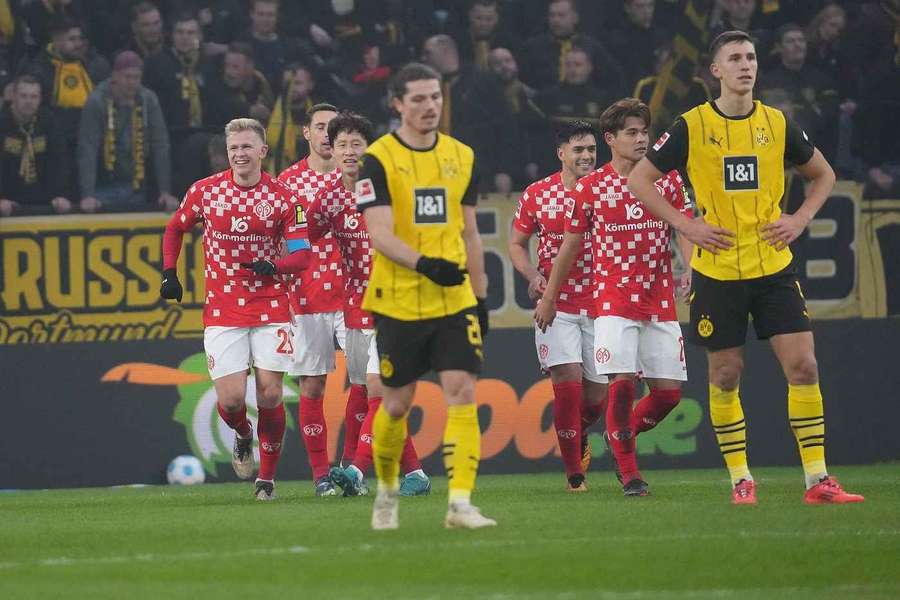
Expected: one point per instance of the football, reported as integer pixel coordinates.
(185, 470)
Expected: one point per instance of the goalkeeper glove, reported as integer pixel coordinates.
(261, 267)
(442, 272)
(171, 288)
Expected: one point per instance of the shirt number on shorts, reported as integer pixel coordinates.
(286, 346)
(741, 173)
(473, 329)
(431, 206)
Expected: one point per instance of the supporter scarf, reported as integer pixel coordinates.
(71, 83)
(137, 141)
(190, 89)
(565, 46)
(27, 164)
(7, 21)
(482, 49)
(282, 132)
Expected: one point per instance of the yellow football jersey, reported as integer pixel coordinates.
(426, 190)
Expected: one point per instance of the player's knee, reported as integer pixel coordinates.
(312, 386)
(803, 371)
(727, 375)
(269, 395)
(394, 408)
(231, 402)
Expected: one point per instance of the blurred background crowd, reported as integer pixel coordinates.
(119, 105)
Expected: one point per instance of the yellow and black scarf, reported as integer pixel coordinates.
(283, 132)
(28, 164)
(7, 22)
(565, 46)
(71, 83)
(137, 141)
(190, 89)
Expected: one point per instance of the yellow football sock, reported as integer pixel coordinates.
(462, 450)
(808, 422)
(388, 437)
(727, 418)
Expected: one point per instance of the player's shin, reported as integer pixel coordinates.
(567, 421)
(618, 426)
(354, 414)
(236, 420)
(270, 430)
(807, 417)
(653, 408)
(462, 451)
(727, 418)
(388, 437)
(362, 460)
(315, 434)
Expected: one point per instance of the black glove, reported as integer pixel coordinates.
(483, 315)
(261, 267)
(171, 288)
(442, 272)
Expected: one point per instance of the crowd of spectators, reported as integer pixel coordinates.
(113, 105)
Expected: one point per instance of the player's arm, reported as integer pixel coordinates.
(670, 152)
(183, 220)
(522, 228)
(475, 263)
(373, 199)
(545, 312)
(317, 222)
(820, 176)
(686, 250)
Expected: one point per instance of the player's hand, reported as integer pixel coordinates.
(536, 286)
(171, 288)
(545, 313)
(683, 289)
(442, 272)
(709, 237)
(783, 231)
(483, 316)
(261, 267)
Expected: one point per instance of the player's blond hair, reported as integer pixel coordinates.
(245, 124)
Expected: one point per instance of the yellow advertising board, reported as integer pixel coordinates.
(86, 278)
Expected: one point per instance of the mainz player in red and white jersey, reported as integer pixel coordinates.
(565, 349)
(247, 216)
(317, 297)
(334, 213)
(636, 329)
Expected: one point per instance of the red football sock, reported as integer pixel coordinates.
(567, 421)
(315, 434)
(409, 460)
(618, 425)
(653, 408)
(236, 420)
(362, 460)
(354, 415)
(270, 430)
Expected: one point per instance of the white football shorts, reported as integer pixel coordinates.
(235, 349)
(655, 348)
(362, 355)
(314, 342)
(570, 340)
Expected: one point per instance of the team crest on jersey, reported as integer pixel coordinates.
(661, 141)
(762, 138)
(449, 168)
(263, 210)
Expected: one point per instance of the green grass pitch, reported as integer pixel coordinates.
(685, 541)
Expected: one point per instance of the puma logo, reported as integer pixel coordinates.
(713, 140)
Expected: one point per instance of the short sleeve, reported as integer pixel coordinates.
(797, 147)
(578, 209)
(470, 197)
(525, 220)
(670, 151)
(372, 186)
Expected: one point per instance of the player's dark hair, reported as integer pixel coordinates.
(411, 72)
(574, 129)
(351, 122)
(612, 120)
(321, 106)
(727, 37)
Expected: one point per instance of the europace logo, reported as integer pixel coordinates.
(513, 425)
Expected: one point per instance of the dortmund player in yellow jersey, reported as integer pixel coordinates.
(417, 194)
(733, 151)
